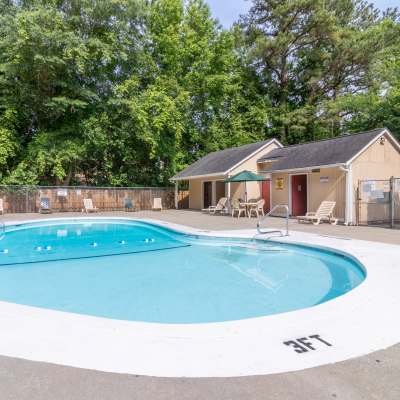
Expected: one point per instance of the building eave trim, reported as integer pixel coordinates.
(187, 178)
(289, 170)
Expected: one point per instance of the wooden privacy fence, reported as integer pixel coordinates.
(23, 199)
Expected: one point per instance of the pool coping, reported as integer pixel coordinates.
(354, 325)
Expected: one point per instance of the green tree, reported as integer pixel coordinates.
(58, 64)
(128, 92)
(305, 52)
(187, 97)
(377, 106)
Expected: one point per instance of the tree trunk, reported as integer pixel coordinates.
(67, 179)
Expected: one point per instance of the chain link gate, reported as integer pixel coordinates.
(378, 202)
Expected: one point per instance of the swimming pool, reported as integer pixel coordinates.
(137, 271)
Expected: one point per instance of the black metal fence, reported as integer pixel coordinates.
(26, 199)
(378, 202)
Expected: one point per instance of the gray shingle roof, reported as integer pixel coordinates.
(221, 161)
(338, 150)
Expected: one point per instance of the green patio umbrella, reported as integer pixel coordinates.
(245, 176)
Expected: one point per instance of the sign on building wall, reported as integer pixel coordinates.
(324, 179)
(279, 184)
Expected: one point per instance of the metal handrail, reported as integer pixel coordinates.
(2, 230)
(269, 213)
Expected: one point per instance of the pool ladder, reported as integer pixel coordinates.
(286, 208)
(2, 230)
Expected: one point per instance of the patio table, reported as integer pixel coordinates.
(247, 206)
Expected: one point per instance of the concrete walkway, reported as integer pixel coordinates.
(372, 377)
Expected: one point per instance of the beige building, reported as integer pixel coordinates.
(300, 176)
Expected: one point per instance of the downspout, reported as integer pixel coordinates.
(348, 220)
(229, 196)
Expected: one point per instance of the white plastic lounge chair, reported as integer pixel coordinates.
(257, 208)
(220, 207)
(238, 208)
(324, 213)
(157, 204)
(1, 207)
(88, 206)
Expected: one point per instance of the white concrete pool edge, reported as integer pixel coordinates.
(362, 321)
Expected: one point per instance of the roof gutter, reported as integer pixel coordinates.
(303, 169)
(187, 178)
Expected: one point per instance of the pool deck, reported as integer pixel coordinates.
(200, 220)
(375, 376)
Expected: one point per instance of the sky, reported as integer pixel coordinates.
(228, 11)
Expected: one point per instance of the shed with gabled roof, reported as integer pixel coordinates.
(206, 176)
(302, 175)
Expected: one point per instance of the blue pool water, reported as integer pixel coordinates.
(142, 272)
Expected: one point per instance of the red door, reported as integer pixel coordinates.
(299, 195)
(207, 194)
(265, 193)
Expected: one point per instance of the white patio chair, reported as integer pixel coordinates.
(238, 208)
(257, 208)
(88, 206)
(324, 213)
(157, 204)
